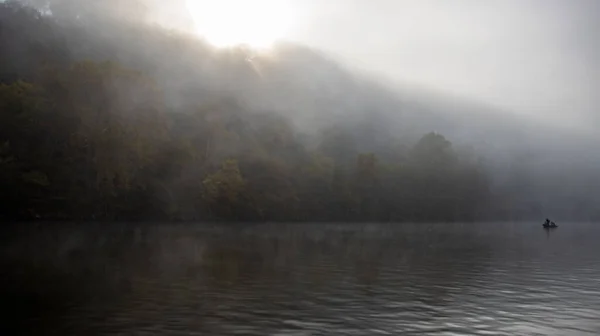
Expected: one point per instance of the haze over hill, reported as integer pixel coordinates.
(174, 128)
(538, 58)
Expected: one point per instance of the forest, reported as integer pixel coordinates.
(108, 119)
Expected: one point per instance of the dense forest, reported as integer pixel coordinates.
(106, 118)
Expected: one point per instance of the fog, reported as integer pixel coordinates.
(537, 58)
(510, 83)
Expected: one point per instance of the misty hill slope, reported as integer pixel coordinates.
(169, 119)
(302, 84)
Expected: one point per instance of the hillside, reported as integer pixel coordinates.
(119, 120)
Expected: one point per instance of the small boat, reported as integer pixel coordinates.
(550, 225)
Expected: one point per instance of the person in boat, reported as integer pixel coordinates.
(547, 222)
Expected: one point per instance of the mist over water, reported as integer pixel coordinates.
(304, 279)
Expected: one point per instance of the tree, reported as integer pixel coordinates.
(223, 190)
(10, 201)
(98, 128)
(433, 166)
(366, 185)
(433, 151)
(85, 9)
(270, 184)
(173, 13)
(314, 182)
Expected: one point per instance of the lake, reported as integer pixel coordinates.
(301, 279)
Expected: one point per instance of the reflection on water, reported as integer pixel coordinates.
(317, 279)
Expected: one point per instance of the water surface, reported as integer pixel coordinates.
(293, 279)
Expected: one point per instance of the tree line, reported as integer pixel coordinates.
(85, 139)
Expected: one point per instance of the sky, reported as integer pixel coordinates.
(536, 57)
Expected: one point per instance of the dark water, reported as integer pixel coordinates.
(318, 279)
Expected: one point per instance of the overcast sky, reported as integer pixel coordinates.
(539, 57)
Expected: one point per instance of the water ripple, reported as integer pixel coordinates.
(304, 280)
